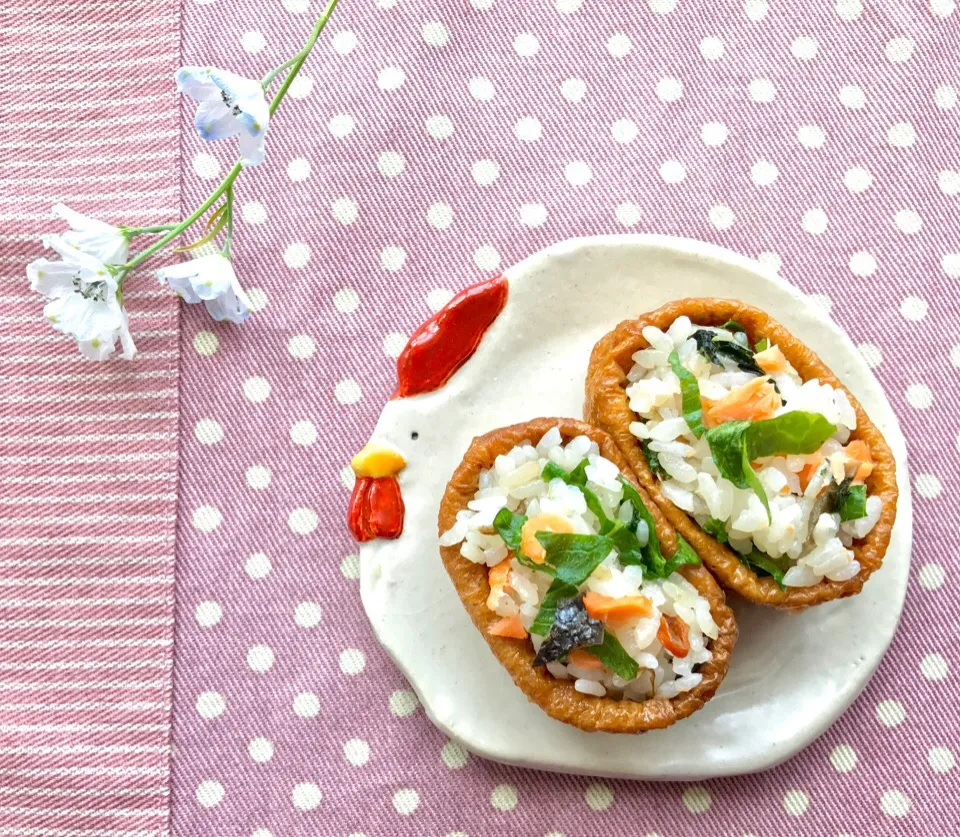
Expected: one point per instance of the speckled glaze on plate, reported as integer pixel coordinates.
(788, 680)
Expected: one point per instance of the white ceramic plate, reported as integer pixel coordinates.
(791, 675)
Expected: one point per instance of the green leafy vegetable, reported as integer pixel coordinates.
(734, 326)
(628, 547)
(574, 557)
(685, 554)
(654, 462)
(613, 655)
(557, 593)
(762, 345)
(509, 526)
(717, 349)
(690, 391)
(765, 565)
(717, 528)
(653, 561)
(578, 477)
(852, 502)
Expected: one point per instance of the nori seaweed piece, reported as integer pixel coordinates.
(572, 628)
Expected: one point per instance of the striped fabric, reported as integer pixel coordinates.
(88, 452)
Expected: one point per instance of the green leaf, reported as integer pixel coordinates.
(762, 345)
(727, 445)
(654, 462)
(653, 561)
(717, 349)
(717, 529)
(753, 481)
(852, 503)
(690, 391)
(578, 477)
(574, 557)
(557, 592)
(734, 326)
(685, 554)
(614, 656)
(509, 526)
(766, 565)
(627, 546)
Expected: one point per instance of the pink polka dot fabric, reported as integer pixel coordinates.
(429, 144)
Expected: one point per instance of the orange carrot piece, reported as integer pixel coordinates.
(859, 451)
(530, 546)
(508, 626)
(753, 401)
(615, 611)
(583, 659)
(771, 360)
(499, 575)
(674, 635)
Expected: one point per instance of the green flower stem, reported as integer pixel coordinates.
(130, 232)
(228, 238)
(267, 80)
(226, 188)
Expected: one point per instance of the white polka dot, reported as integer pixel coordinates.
(260, 750)
(934, 667)
(260, 658)
(357, 752)
(714, 134)
(721, 216)
(504, 797)
(390, 163)
(403, 703)
(891, 713)
(481, 88)
(822, 301)
(908, 221)
(919, 396)
(568, 7)
(931, 576)
(350, 568)
(711, 49)
(598, 796)
(577, 173)
(763, 173)
(435, 33)
(913, 308)
(863, 263)
(955, 360)
(849, 9)
(482, 5)
(352, 661)
(301, 346)
(623, 131)
(298, 169)
(440, 216)
(628, 214)
(940, 759)
(814, 221)
(253, 212)
(945, 96)
(253, 41)
(618, 45)
(297, 255)
(307, 614)
(762, 90)
(486, 257)
(439, 127)
(528, 129)
(438, 297)
(258, 565)
(344, 41)
(895, 803)
(533, 214)
(405, 801)
(901, 135)
(899, 50)
(306, 705)
(303, 433)
(796, 802)
(950, 263)
(258, 477)
(301, 86)
(341, 125)
(928, 486)
(394, 343)
(393, 258)
(573, 89)
(208, 613)
(389, 4)
(302, 521)
(297, 7)
(943, 8)
(669, 89)
(843, 758)
(811, 136)
(454, 755)
(526, 45)
(257, 298)
(662, 7)
(210, 793)
(390, 78)
(485, 172)
(949, 182)
(852, 97)
(673, 171)
(804, 48)
(857, 179)
(206, 518)
(770, 260)
(208, 431)
(256, 389)
(697, 800)
(306, 796)
(205, 166)
(345, 210)
(211, 704)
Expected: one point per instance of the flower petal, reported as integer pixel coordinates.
(99, 348)
(236, 87)
(79, 221)
(214, 121)
(197, 84)
(52, 279)
(204, 278)
(252, 149)
(126, 339)
(233, 305)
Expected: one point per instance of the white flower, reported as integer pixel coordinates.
(88, 235)
(84, 300)
(213, 280)
(229, 105)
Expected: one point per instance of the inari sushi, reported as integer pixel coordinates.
(750, 446)
(601, 615)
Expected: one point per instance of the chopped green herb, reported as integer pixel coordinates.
(685, 554)
(762, 345)
(614, 656)
(653, 561)
(574, 557)
(509, 526)
(654, 462)
(557, 592)
(578, 477)
(690, 391)
(717, 528)
(765, 565)
(734, 326)
(852, 502)
(716, 350)
(628, 546)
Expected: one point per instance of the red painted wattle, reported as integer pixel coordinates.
(376, 509)
(447, 340)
